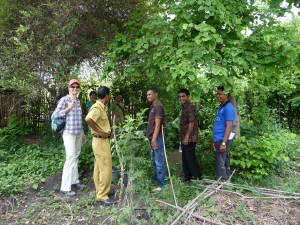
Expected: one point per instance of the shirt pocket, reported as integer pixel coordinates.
(103, 116)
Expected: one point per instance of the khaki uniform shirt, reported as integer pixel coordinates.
(98, 114)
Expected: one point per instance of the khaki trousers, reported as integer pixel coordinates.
(102, 167)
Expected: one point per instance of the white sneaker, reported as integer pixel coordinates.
(157, 189)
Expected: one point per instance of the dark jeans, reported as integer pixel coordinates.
(190, 165)
(222, 160)
(159, 164)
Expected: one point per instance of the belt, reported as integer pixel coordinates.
(99, 136)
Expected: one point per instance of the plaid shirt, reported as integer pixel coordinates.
(73, 118)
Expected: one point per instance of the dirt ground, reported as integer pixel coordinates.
(46, 206)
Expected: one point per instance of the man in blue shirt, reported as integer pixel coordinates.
(222, 129)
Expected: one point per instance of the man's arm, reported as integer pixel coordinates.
(94, 126)
(226, 135)
(154, 145)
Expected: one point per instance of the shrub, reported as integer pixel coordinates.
(258, 156)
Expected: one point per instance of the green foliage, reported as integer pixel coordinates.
(41, 43)
(86, 158)
(29, 165)
(260, 155)
(198, 41)
(11, 136)
(132, 144)
(205, 153)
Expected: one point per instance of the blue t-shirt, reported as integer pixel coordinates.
(224, 113)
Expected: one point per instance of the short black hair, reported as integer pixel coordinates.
(184, 90)
(93, 93)
(221, 88)
(153, 89)
(103, 91)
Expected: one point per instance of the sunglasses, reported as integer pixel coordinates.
(77, 87)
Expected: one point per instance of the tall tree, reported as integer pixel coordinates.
(194, 41)
(42, 41)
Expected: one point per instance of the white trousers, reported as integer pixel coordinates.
(72, 143)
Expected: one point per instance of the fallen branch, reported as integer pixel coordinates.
(263, 191)
(206, 196)
(252, 197)
(193, 214)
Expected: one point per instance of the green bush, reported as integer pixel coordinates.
(259, 156)
(29, 165)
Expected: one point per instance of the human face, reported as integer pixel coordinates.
(93, 97)
(183, 97)
(151, 96)
(74, 89)
(119, 98)
(107, 99)
(221, 97)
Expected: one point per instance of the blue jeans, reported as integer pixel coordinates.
(159, 163)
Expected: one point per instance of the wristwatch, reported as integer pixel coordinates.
(223, 143)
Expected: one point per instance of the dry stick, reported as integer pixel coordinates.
(211, 193)
(265, 190)
(270, 196)
(253, 197)
(162, 130)
(233, 192)
(191, 212)
(11, 204)
(194, 215)
(189, 205)
(121, 167)
(68, 205)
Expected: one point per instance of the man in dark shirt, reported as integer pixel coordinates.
(189, 136)
(154, 135)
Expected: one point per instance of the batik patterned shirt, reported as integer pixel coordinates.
(189, 115)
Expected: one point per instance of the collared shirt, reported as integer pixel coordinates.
(189, 115)
(224, 113)
(73, 117)
(98, 114)
(156, 110)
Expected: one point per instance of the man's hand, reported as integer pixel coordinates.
(185, 140)
(103, 135)
(222, 148)
(154, 145)
(71, 105)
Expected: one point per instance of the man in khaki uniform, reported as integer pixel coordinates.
(98, 121)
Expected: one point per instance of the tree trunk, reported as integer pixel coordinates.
(236, 125)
